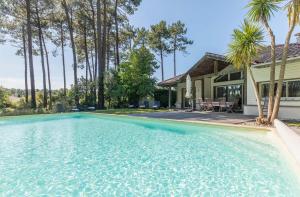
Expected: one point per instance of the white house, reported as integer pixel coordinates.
(214, 77)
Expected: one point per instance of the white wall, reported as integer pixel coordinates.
(290, 107)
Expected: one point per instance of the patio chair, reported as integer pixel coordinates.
(156, 105)
(222, 104)
(131, 106)
(75, 109)
(91, 108)
(144, 105)
(209, 104)
(202, 104)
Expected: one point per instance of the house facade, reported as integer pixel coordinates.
(213, 77)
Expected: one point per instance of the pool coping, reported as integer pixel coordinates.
(290, 138)
(265, 129)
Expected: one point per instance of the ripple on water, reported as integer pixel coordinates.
(86, 155)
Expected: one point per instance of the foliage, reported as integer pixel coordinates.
(136, 75)
(3, 98)
(179, 41)
(246, 45)
(262, 9)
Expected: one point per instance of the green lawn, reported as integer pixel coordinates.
(294, 124)
(129, 111)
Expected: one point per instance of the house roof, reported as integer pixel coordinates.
(265, 56)
(203, 67)
(206, 65)
(170, 82)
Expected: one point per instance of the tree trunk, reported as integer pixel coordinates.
(174, 62)
(45, 96)
(117, 35)
(258, 98)
(282, 68)
(100, 61)
(95, 38)
(162, 65)
(70, 25)
(30, 56)
(25, 63)
(272, 70)
(108, 47)
(87, 62)
(104, 34)
(174, 51)
(48, 71)
(62, 37)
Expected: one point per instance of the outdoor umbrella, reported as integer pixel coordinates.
(188, 93)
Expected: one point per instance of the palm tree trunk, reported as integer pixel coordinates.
(258, 98)
(45, 96)
(62, 37)
(70, 25)
(48, 71)
(282, 68)
(100, 61)
(30, 56)
(25, 63)
(272, 70)
(117, 35)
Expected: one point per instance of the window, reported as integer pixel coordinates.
(289, 89)
(221, 92)
(294, 88)
(236, 76)
(221, 78)
(229, 77)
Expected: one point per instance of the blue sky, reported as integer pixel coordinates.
(209, 23)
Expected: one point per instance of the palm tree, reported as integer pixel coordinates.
(244, 48)
(261, 12)
(293, 8)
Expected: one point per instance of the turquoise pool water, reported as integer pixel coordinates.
(91, 155)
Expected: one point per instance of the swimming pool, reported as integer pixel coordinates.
(86, 154)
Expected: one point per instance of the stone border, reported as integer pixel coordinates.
(290, 138)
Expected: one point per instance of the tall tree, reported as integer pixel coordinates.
(69, 17)
(244, 48)
(25, 62)
(293, 16)
(141, 39)
(100, 61)
(158, 38)
(48, 72)
(30, 54)
(261, 11)
(41, 49)
(178, 41)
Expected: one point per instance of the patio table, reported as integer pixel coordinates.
(215, 104)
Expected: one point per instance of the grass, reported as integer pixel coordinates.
(294, 124)
(129, 111)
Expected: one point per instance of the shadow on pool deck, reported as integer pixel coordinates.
(217, 117)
